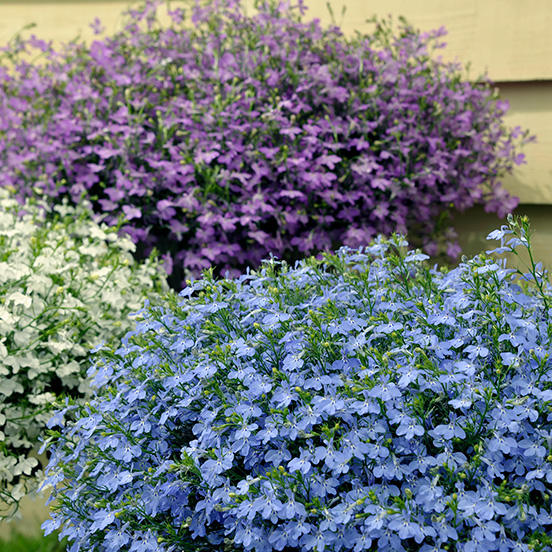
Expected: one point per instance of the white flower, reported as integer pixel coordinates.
(9, 386)
(17, 298)
(65, 285)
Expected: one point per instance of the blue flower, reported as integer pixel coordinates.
(215, 466)
(268, 506)
(140, 426)
(299, 464)
(405, 528)
(449, 431)
(117, 538)
(291, 439)
(486, 508)
(388, 540)
(292, 509)
(318, 540)
(293, 361)
(101, 519)
(324, 486)
(502, 443)
(300, 527)
(280, 538)
(328, 405)
(476, 351)
(362, 542)
(500, 234)
(384, 391)
(410, 428)
(353, 445)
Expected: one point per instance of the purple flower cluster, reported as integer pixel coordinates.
(237, 136)
(364, 402)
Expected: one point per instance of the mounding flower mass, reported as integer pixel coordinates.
(66, 284)
(363, 402)
(224, 137)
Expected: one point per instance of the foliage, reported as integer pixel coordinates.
(361, 402)
(24, 543)
(66, 284)
(229, 137)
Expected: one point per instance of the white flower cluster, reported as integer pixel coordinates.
(66, 285)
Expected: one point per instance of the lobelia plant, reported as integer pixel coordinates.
(229, 137)
(363, 402)
(66, 284)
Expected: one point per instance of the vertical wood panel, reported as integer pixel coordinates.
(531, 108)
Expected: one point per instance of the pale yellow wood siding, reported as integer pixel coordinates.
(33, 511)
(509, 38)
(531, 107)
(59, 20)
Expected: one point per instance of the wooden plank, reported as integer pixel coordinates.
(510, 38)
(531, 107)
(61, 21)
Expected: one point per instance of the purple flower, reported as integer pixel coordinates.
(410, 429)
(131, 212)
(216, 160)
(299, 464)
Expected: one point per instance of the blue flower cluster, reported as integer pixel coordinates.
(362, 402)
